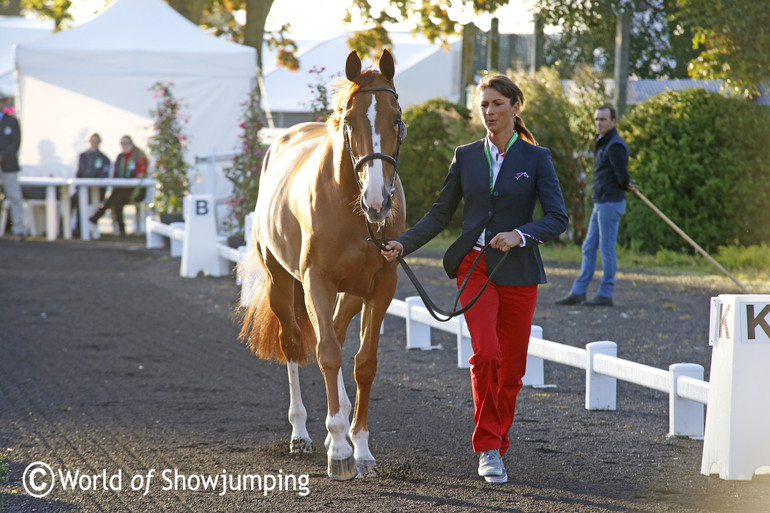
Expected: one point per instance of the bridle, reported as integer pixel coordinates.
(373, 156)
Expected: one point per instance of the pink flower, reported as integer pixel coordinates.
(10, 111)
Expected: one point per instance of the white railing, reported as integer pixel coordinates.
(683, 382)
(202, 250)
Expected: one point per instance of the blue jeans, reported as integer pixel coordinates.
(603, 236)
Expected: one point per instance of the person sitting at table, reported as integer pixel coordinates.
(131, 163)
(91, 164)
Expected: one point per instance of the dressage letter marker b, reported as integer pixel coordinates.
(201, 207)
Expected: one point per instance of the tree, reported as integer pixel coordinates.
(56, 10)
(734, 42)
(432, 19)
(10, 7)
(660, 40)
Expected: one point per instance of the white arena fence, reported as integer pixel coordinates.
(202, 251)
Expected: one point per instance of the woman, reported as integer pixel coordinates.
(92, 163)
(500, 178)
(131, 163)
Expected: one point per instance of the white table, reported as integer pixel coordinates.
(52, 213)
(83, 185)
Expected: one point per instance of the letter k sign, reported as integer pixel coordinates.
(760, 320)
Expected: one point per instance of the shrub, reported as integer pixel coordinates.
(246, 167)
(167, 147)
(435, 129)
(703, 160)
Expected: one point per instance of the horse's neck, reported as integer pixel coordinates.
(344, 175)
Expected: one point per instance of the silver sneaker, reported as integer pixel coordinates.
(491, 464)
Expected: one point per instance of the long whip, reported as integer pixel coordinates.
(688, 239)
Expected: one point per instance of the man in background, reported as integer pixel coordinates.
(608, 193)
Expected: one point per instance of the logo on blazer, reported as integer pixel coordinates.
(521, 174)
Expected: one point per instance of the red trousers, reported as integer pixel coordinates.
(499, 324)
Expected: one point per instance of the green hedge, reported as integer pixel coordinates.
(435, 129)
(704, 160)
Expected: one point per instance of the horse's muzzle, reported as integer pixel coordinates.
(377, 215)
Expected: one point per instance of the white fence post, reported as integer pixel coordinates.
(685, 417)
(153, 238)
(417, 334)
(464, 346)
(601, 391)
(176, 245)
(535, 374)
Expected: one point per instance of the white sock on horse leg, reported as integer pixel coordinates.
(336, 425)
(297, 411)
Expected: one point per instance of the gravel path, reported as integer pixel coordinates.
(113, 366)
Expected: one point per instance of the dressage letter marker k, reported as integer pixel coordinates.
(752, 322)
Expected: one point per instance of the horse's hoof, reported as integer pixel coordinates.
(301, 445)
(342, 470)
(366, 468)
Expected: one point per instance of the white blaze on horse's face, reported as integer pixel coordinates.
(375, 199)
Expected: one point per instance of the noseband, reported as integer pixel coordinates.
(357, 164)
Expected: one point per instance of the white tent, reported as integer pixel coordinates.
(13, 30)
(98, 76)
(424, 70)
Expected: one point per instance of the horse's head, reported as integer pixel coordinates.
(373, 130)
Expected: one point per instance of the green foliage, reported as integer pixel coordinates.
(734, 42)
(56, 10)
(703, 160)
(436, 128)
(247, 165)
(750, 257)
(565, 126)
(660, 45)
(167, 146)
(431, 18)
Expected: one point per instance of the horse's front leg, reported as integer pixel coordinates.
(319, 297)
(365, 369)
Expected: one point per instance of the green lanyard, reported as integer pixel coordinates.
(489, 156)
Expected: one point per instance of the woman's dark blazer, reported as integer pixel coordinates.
(527, 174)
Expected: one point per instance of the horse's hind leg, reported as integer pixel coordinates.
(300, 438)
(281, 297)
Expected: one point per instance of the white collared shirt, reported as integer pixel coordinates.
(497, 163)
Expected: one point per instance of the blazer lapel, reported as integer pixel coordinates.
(509, 162)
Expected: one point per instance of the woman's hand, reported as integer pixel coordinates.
(392, 250)
(506, 240)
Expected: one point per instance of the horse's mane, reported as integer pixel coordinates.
(342, 97)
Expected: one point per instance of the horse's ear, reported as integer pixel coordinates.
(353, 66)
(387, 67)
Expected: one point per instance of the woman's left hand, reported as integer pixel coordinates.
(505, 240)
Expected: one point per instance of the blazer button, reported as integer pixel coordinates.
(490, 213)
(496, 194)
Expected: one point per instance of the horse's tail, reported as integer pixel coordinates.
(260, 328)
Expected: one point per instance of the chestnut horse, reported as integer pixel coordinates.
(321, 186)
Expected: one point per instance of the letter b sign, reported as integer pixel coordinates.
(201, 207)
